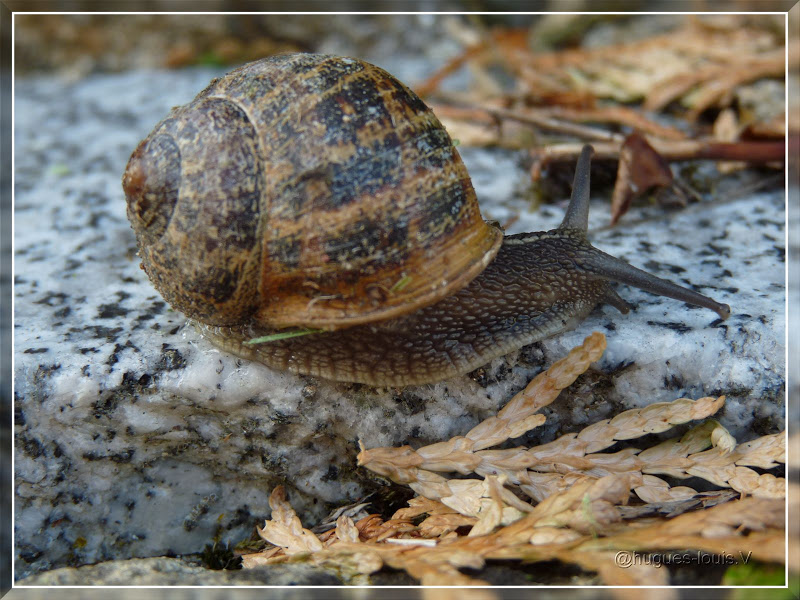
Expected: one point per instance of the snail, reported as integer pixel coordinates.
(313, 191)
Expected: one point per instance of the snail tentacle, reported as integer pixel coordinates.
(615, 269)
(577, 215)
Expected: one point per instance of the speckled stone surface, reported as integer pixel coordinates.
(134, 437)
(172, 571)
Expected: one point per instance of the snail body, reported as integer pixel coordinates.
(319, 192)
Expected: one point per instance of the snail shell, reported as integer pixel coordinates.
(305, 190)
(318, 191)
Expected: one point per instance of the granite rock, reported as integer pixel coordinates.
(135, 437)
(170, 572)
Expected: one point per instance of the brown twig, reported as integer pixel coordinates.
(432, 83)
(756, 152)
(620, 115)
(541, 119)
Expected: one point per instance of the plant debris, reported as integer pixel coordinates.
(283, 335)
(218, 557)
(566, 500)
(656, 94)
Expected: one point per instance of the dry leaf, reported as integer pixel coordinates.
(285, 529)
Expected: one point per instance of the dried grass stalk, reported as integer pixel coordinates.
(706, 451)
(404, 464)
